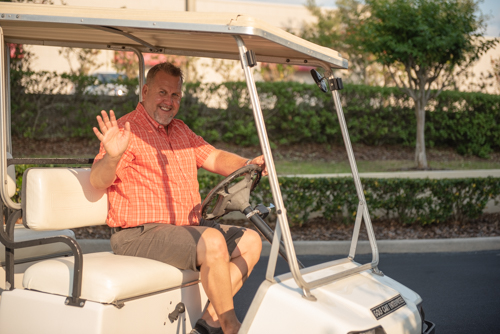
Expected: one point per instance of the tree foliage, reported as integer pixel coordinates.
(336, 29)
(86, 60)
(422, 43)
(431, 40)
(495, 64)
(431, 37)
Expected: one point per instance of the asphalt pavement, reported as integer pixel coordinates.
(458, 279)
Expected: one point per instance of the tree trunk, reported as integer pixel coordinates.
(420, 155)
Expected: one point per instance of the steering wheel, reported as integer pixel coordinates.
(233, 197)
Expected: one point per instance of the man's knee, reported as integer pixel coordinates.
(250, 242)
(212, 246)
(256, 239)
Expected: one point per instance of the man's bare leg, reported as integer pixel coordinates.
(243, 259)
(213, 260)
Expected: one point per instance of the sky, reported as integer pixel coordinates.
(487, 7)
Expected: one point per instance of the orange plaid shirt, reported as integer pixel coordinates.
(156, 178)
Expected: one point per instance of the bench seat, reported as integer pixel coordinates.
(58, 198)
(107, 278)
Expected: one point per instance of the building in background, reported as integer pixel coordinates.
(290, 17)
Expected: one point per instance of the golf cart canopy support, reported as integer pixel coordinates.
(226, 36)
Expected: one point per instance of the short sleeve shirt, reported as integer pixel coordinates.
(156, 178)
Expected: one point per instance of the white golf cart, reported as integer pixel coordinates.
(47, 291)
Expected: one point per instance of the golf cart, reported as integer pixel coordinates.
(47, 291)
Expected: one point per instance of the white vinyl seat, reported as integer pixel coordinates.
(21, 233)
(107, 278)
(55, 198)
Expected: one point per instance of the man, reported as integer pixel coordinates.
(148, 161)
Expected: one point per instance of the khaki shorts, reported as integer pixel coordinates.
(174, 245)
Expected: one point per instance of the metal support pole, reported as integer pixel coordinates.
(4, 132)
(9, 109)
(355, 175)
(142, 69)
(273, 178)
(355, 233)
(190, 5)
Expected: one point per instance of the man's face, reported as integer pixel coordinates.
(162, 97)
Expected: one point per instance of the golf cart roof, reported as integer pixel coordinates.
(178, 33)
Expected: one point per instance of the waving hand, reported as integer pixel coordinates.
(114, 140)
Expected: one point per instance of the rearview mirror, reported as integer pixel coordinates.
(320, 81)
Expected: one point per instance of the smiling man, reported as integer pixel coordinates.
(158, 104)
(148, 162)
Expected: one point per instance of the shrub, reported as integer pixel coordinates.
(39, 110)
(422, 201)
(293, 112)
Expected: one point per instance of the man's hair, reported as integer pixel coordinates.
(168, 68)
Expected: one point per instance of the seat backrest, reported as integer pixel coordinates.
(61, 198)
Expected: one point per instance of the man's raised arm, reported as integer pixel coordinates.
(115, 142)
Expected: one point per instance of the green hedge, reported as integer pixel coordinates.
(64, 116)
(298, 113)
(294, 113)
(39, 110)
(420, 201)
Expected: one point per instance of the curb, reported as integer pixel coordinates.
(431, 174)
(396, 246)
(363, 247)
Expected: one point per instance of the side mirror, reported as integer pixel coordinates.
(320, 81)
